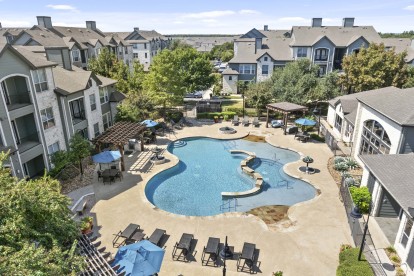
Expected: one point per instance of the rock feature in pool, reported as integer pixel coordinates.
(227, 130)
(249, 171)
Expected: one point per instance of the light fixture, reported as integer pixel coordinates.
(356, 213)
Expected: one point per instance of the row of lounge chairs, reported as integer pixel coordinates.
(183, 249)
(245, 121)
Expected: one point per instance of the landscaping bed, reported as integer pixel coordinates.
(350, 266)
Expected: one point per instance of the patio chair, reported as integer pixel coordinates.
(212, 250)
(276, 123)
(246, 121)
(184, 246)
(99, 175)
(156, 236)
(107, 179)
(128, 232)
(235, 120)
(247, 256)
(256, 122)
(119, 175)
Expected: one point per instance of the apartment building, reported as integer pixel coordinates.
(258, 52)
(145, 44)
(44, 102)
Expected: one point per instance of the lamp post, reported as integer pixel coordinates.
(224, 254)
(356, 214)
(243, 103)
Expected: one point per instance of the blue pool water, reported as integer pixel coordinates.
(207, 168)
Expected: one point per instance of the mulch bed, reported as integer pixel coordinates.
(270, 214)
(337, 175)
(78, 181)
(255, 138)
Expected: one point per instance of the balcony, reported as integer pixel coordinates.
(78, 117)
(17, 101)
(16, 92)
(321, 57)
(28, 141)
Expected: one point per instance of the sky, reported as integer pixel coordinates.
(208, 16)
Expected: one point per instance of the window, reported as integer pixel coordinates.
(247, 69)
(53, 148)
(135, 55)
(145, 45)
(98, 51)
(375, 139)
(106, 118)
(302, 52)
(120, 50)
(92, 100)
(265, 69)
(406, 232)
(321, 54)
(103, 94)
(146, 55)
(230, 78)
(96, 129)
(77, 110)
(322, 71)
(47, 118)
(338, 123)
(9, 38)
(126, 50)
(265, 58)
(40, 80)
(278, 66)
(75, 55)
(134, 46)
(355, 51)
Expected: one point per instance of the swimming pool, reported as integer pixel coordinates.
(206, 168)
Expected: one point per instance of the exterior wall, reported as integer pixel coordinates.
(141, 51)
(407, 141)
(331, 116)
(393, 129)
(326, 44)
(260, 63)
(295, 52)
(359, 43)
(230, 86)
(401, 250)
(244, 77)
(338, 112)
(93, 116)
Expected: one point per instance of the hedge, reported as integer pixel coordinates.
(350, 266)
(239, 111)
(211, 115)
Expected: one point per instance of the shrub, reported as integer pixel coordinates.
(391, 249)
(361, 198)
(350, 266)
(339, 159)
(345, 247)
(211, 115)
(352, 164)
(346, 174)
(349, 181)
(278, 273)
(342, 166)
(318, 138)
(226, 117)
(174, 115)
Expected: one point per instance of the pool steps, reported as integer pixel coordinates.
(249, 171)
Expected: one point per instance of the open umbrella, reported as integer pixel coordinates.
(139, 259)
(305, 122)
(106, 156)
(149, 123)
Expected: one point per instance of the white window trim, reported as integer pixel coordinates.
(36, 73)
(105, 95)
(78, 56)
(47, 118)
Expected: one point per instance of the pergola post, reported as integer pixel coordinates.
(121, 150)
(267, 117)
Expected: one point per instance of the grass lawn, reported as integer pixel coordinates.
(234, 104)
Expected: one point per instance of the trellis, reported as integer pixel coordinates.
(285, 108)
(119, 135)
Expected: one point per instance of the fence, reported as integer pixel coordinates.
(329, 139)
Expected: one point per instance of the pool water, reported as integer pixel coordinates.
(206, 168)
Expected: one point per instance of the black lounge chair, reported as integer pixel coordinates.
(247, 256)
(212, 249)
(156, 236)
(184, 246)
(126, 234)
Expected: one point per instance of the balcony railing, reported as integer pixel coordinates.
(27, 142)
(78, 117)
(321, 57)
(17, 101)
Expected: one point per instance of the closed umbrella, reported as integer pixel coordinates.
(139, 259)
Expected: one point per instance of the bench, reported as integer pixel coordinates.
(81, 207)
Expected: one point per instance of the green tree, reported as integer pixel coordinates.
(327, 88)
(37, 234)
(103, 64)
(374, 67)
(218, 83)
(223, 52)
(178, 43)
(80, 148)
(295, 82)
(258, 95)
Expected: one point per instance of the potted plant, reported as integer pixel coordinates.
(86, 225)
(216, 119)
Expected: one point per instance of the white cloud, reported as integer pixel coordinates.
(209, 14)
(409, 8)
(62, 7)
(248, 12)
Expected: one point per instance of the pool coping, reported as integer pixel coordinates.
(175, 160)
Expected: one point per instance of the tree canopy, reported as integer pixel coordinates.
(405, 34)
(374, 67)
(37, 234)
(259, 95)
(79, 149)
(223, 52)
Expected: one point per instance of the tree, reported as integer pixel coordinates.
(258, 95)
(218, 83)
(103, 64)
(223, 52)
(327, 88)
(79, 149)
(178, 43)
(295, 82)
(374, 67)
(38, 236)
(174, 73)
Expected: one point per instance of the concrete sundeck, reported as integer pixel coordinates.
(307, 245)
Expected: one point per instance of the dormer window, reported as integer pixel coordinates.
(75, 55)
(265, 59)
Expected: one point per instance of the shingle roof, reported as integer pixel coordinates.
(116, 96)
(392, 102)
(45, 38)
(82, 35)
(68, 82)
(340, 36)
(105, 81)
(36, 60)
(400, 45)
(396, 173)
(229, 71)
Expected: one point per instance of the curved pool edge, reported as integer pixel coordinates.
(175, 160)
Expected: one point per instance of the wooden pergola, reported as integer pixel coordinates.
(119, 135)
(285, 108)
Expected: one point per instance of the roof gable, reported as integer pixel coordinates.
(253, 33)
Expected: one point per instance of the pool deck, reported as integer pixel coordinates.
(308, 245)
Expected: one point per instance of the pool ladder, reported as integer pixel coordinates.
(227, 205)
(283, 182)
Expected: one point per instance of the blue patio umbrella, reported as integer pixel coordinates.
(149, 123)
(305, 122)
(139, 259)
(106, 156)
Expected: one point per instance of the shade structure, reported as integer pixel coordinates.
(139, 259)
(149, 123)
(305, 122)
(106, 156)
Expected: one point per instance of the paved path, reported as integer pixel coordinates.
(309, 246)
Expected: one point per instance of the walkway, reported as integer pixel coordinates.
(308, 245)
